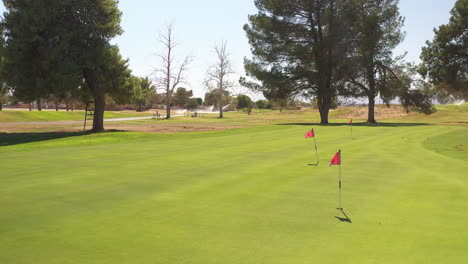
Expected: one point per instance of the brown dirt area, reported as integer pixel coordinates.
(381, 112)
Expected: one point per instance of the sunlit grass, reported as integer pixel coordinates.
(238, 196)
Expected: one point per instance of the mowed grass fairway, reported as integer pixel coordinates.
(237, 196)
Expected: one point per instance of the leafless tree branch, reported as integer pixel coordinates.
(170, 74)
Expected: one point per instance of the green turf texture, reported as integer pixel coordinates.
(453, 144)
(46, 116)
(236, 196)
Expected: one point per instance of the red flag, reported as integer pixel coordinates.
(336, 160)
(350, 122)
(310, 134)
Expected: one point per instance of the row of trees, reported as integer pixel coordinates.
(60, 51)
(329, 48)
(321, 49)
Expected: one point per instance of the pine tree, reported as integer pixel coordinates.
(297, 48)
(376, 30)
(52, 46)
(445, 58)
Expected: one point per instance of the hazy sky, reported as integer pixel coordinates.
(200, 24)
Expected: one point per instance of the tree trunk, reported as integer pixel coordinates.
(72, 107)
(39, 105)
(324, 115)
(56, 107)
(30, 107)
(324, 107)
(1, 105)
(98, 121)
(68, 107)
(221, 113)
(168, 110)
(371, 111)
(371, 95)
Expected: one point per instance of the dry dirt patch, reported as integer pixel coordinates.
(381, 112)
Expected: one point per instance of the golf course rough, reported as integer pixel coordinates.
(237, 196)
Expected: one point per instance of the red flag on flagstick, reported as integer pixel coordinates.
(310, 134)
(350, 122)
(336, 160)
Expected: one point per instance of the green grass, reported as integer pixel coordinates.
(45, 116)
(453, 144)
(236, 196)
(446, 114)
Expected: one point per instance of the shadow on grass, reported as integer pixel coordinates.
(10, 139)
(364, 124)
(345, 219)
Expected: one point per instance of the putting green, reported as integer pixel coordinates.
(235, 196)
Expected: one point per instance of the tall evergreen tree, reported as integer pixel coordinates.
(297, 47)
(370, 69)
(33, 45)
(143, 88)
(56, 46)
(376, 30)
(445, 58)
(181, 97)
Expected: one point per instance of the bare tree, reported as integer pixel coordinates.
(217, 80)
(170, 74)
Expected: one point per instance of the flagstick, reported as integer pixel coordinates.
(316, 151)
(339, 185)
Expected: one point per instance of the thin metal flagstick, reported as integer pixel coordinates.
(316, 151)
(339, 184)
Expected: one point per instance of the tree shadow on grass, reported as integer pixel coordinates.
(345, 219)
(363, 124)
(10, 139)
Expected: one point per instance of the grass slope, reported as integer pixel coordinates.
(453, 144)
(235, 196)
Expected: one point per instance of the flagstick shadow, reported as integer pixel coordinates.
(316, 164)
(345, 218)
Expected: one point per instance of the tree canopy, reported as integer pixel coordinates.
(445, 58)
(375, 27)
(297, 47)
(143, 88)
(323, 49)
(243, 101)
(58, 46)
(181, 97)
